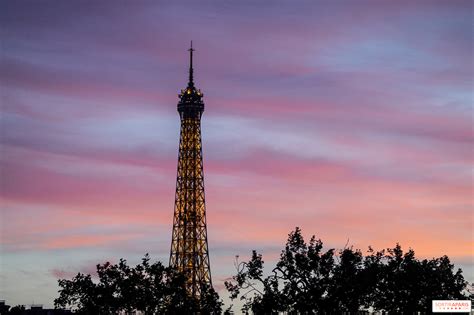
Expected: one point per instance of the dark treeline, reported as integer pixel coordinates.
(308, 280)
(150, 288)
(305, 280)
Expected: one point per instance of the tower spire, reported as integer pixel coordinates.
(191, 83)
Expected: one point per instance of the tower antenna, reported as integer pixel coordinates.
(191, 83)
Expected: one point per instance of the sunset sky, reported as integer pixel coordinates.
(351, 120)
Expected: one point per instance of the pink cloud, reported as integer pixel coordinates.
(20, 74)
(71, 242)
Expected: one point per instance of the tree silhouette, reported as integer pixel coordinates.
(308, 280)
(148, 287)
(409, 285)
(15, 310)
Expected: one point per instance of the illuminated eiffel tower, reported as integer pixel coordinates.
(189, 250)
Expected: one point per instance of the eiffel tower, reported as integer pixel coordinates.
(189, 249)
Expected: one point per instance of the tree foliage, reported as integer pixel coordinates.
(308, 280)
(148, 287)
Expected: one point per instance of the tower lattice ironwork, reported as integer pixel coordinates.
(189, 248)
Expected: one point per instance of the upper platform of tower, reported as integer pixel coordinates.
(190, 99)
